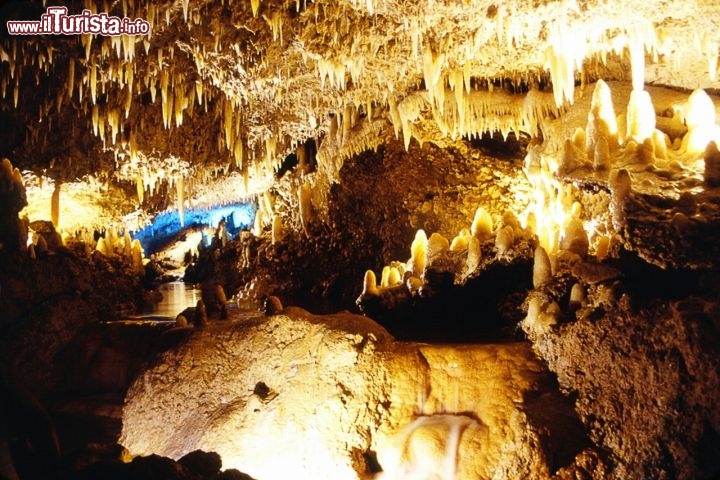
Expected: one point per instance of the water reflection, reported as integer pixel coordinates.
(176, 297)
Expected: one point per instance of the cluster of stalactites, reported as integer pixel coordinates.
(107, 81)
(351, 131)
(568, 49)
(459, 111)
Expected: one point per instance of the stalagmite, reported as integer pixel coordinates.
(602, 121)
(55, 205)
(572, 158)
(640, 116)
(437, 244)
(394, 277)
(712, 165)
(102, 246)
(542, 271)
(577, 295)
(482, 224)
(645, 153)
(474, 255)
(127, 244)
(418, 254)
(504, 240)
(533, 312)
(601, 157)
(602, 247)
(460, 242)
(370, 284)
(700, 120)
(385, 277)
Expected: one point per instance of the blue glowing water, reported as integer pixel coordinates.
(166, 225)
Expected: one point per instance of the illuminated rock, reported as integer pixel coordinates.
(429, 447)
(310, 395)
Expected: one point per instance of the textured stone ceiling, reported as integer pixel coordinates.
(228, 89)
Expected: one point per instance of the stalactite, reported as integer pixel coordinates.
(70, 78)
(93, 83)
(55, 204)
(306, 209)
(140, 184)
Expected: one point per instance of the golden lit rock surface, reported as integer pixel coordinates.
(325, 397)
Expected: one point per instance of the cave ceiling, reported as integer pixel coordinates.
(222, 90)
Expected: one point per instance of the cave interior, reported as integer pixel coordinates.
(379, 239)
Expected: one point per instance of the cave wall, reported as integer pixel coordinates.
(383, 197)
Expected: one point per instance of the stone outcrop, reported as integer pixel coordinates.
(336, 397)
(641, 357)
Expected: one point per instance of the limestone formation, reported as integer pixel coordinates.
(343, 390)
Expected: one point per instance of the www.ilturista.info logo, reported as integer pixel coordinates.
(56, 21)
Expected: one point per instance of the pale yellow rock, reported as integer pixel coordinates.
(340, 385)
